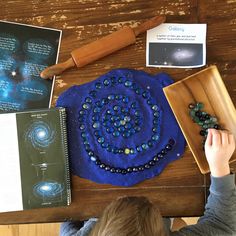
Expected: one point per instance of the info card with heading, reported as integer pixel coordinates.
(176, 45)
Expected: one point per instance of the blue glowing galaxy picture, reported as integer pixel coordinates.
(24, 52)
(175, 54)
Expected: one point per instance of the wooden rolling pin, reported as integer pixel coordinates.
(102, 47)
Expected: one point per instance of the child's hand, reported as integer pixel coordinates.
(219, 147)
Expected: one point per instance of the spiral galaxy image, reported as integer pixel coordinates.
(48, 189)
(40, 134)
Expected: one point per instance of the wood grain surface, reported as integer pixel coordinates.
(181, 189)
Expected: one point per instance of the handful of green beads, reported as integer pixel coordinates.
(203, 119)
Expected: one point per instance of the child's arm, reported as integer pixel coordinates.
(220, 211)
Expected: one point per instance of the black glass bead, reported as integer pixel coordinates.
(135, 169)
(98, 162)
(145, 94)
(168, 147)
(159, 155)
(147, 166)
(102, 166)
(93, 93)
(112, 170)
(87, 147)
(151, 163)
(191, 106)
(139, 148)
(198, 113)
(128, 83)
(113, 80)
(163, 152)
(141, 168)
(202, 118)
(155, 158)
(202, 132)
(107, 168)
(150, 143)
(207, 116)
(98, 85)
(123, 172)
(106, 82)
(129, 170)
(171, 141)
(216, 126)
(118, 170)
(91, 153)
(83, 135)
(104, 145)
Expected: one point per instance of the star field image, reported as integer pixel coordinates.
(175, 54)
(40, 135)
(48, 189)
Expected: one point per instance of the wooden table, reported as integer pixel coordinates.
(180, 190)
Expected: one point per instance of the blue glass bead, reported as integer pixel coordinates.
(104, 101)
(149, 102)
(97, 133)
(128, 126)
(93, 93)
(125, 109)
(110, 130)
(82, 112)
(88, 100)
(104, 145)
(128, 83)
(93, 158)
(138, 121)
(101, 140)
(109, 112)
(96, 110)
(132, 131)
(155, 137)
(96, 125)
(120, 80)
(106, 82)
(132, 151)
(111, 97)
(118, 97)
(134, 86)
(95, 118)
(113, 80)
(99, 104)
(155, 121)
(137, 128)
(154, 107)
(98, 85)
(127, 118)
(81, 119)
(125, 99)
(139, 148)
(121, 129)
(82, 127)
(134, 105)
(137, 113)
(116, 150)
(98, 162)
(83, 135)
(86, 106)
(116, 133)
(145, 146)
(150, 143)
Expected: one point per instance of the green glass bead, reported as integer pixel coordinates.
(199, 105)
(192, 113)
(213, 119)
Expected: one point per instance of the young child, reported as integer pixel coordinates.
(137, 216)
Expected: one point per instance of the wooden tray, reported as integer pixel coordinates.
(207, 87)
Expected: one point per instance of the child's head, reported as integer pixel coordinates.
(130, 216)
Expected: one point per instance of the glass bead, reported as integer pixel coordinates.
(191, 106)
(168, 147)
(135, 169)
(128, 126)
(121, 129)
(145, 146)
(159, 155)
(155, 130)
(138, 91)
(91, 153)
(129, 170)
(137, 128)
(98, 85)
(83, 135)
(207, 116)
(110, 130)
(120, 80)
(155, 121)
(151, 163)
(82, 112)
(96, 109)
(171, 141)
(141, 168)
(104, 101)
(163, 152)
(93, 93)
(154, 107)
(87, 147)
(150, 143)
(121, 150)
(155, 137)
(107, 168)
(112, 170)
(132, 151)
(118, 170)
(155, 158)
(123, 172)
(156, 114)
(86, 142)
(118, 97)
(122, 122)
(134, 105)
(93, 158)
(216, 126)
(139, 148)
(95, 118)
(102, 166)
(86, 106)
(96, 125)
(199, 105)
(198, 113)
(145, 94)
(82, 127)
(127, 151)
(132, 131)
(147, 166)
(116, 133)
(192, 113)
(205, 126)
(127, 118)
(213, 119)
(128, 83)
(98, 162)
(101, 140)
(116, 108)
(106, 82)
(104, 145)
(125, 99)
(202, 132)
(111, 97)
(97, 133)
(117, 124)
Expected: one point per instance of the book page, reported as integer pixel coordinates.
(10, 177)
